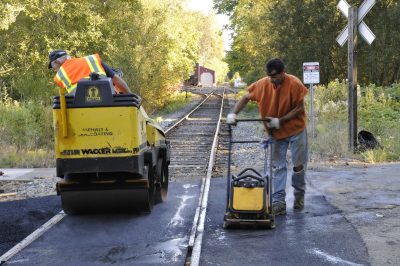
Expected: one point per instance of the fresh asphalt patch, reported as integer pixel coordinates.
(157, 238)
(319, 235)
(21, 217)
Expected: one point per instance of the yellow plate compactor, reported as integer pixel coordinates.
(249, 194)
(110, 154)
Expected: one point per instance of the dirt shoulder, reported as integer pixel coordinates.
(369, 197)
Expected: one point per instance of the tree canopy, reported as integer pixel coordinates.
(155, 43)
(306, 31)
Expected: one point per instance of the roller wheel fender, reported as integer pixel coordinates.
(150, 157)
(161, 172)
(151, 189)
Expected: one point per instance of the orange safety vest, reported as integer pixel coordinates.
(74, 69)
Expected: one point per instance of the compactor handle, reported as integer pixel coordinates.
(254, 120)
(249, 175)
(251, 170)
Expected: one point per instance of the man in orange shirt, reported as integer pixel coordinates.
(280, 98)
(71, 70)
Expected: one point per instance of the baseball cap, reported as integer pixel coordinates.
(55, 54)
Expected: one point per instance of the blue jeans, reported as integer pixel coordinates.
(299, 148)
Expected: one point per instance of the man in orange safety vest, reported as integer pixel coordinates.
(71, 70)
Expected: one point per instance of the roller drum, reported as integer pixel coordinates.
(111, 200)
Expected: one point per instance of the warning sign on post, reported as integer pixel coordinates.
(311, 73)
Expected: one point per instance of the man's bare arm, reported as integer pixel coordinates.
(121, 84)
(241, 103)
(293, 113)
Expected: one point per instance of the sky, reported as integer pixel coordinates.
(205, 6)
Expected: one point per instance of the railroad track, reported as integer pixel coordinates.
(192, 138)
(194, 141)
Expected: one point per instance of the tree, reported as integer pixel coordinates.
(301, 31)
(210, 44)
(156, 44)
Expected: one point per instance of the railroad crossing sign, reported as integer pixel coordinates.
(349, 33)
(364, 30)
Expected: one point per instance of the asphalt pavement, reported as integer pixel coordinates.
(19, 218)
(369, 197)
(319, 235)
(156, 238)
(350, 218)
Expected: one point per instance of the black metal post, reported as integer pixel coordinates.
(352, 78)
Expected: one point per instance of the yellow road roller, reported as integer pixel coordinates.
(110, 155)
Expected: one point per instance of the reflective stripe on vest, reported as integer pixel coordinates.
(94, 64)
(64, 79)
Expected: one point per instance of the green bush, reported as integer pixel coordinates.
(26, 130)
(378, 113)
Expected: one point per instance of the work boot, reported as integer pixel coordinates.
(279, 208)
(298, 204)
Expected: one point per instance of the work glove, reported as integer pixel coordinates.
(231, 119)
(273, 122)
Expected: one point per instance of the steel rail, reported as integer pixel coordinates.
(188, 114)
(196, 237)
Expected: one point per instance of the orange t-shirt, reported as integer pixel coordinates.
(278, 102)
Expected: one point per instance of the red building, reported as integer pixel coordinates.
(202, 76)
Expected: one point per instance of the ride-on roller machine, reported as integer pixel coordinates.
(249, 193)
(110, 155)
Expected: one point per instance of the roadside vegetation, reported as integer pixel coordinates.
(174, 103)
(26, 130)
(378, 113)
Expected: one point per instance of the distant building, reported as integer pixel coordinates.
(202, 76)
(239, 83)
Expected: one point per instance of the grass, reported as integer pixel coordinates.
(26, 130)
(176, 102)
(13, 158)
(378, 113)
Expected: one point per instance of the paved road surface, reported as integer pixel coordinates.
(318, 236)
(157, 238)
(367, 196)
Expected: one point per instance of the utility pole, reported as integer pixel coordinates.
(355, 24)
(352, 78)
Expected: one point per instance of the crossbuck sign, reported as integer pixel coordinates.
(365, 32)
(355, 23)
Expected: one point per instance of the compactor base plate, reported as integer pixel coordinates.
(233, 220)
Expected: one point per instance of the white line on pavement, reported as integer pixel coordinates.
(331, 258)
